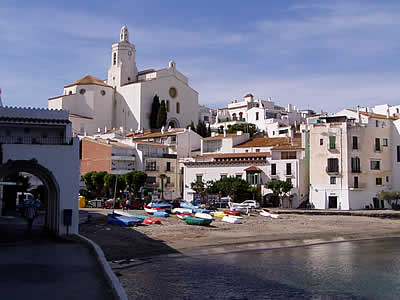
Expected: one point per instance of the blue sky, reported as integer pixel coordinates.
(314, 54)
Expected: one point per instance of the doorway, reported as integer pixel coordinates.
(332, 202)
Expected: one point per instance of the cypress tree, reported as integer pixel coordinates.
(198, 128)
(162, 115)
(192, 126)
(208, 130)
(155, 107)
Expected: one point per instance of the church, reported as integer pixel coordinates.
(125, 98)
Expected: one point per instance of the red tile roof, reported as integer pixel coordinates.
(87, 80)
(234, 155)
(253, 169)
(264, 142)
(373, 115)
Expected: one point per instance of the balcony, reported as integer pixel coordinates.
(152, 169)
(160, 155)
(356, 170)
(36, 140)
(123, 157)
(332, 171)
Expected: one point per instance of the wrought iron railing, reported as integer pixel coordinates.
(36, 140)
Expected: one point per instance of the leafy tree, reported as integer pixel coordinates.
(198, 186)
(245, 127)
(155, 107)
(109, 182)
(98, 182)
(134, 181)
(236, 188)
(87, 178)
(390, 196)
(162, 115)
(279, 188)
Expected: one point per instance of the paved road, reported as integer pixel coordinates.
(39, 267)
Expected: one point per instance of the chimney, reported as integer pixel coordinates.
(388, 113)
(190, 128)
(105, 129)
(121, 129)
(169, 129)
(224, 132)
(358, 114)
(98, 130)
(269, 99)
(162, 130)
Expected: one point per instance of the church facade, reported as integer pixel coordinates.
(125, 98)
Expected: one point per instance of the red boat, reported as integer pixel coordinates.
(182, 215)
(232, 212)
(151, 221)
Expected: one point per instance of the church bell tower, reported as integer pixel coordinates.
(123, 68)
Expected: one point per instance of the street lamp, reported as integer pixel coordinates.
(162, 176)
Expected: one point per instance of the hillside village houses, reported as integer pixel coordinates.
(125, 98)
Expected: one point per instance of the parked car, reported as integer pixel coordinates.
(110, 204)
(132, 205)
(251, 203)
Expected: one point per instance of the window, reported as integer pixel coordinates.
(333, 180)
(333, 165)
(206, 119)
(103, 92)
(70, 93)
(257, 150)
(377, 144)
(241, 116)
(398, 153)
(246, 151)
(376, 123)
(115, 59)
(288, 179)
(378, 180)
(355, 142)
(355, 165)
(256, 116)
(288, 155)
(82, 91)
(168, 180)
(178, 108)
(199, 178)
(239, 176)
(151, 180)
(151, 166)
(167, 105)
(273, 169)
(321, 141)
(288, 169)
(168, 166)
(253, 178)
(387, 178)
(223, 176)
(332, 142)
(375, 164)
(385, 142)
(234, 117)
(173, 92)
(356, 182)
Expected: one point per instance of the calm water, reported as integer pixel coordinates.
(349, 270)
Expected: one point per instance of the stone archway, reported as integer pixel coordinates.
(173, 123)
(48, 180)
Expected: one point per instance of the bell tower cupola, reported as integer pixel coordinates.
(123, 68)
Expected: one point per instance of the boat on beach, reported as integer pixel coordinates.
(139, 216)
(183, 215)
(231, 219)
(269, 213)
(151, 221)
(197, 221)
(151, 209)
(203, 216)
(232, 212)
(182, 210)
(118, 219)
(219, 214)
(162, 214)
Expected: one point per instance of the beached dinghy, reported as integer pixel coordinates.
(139, 216)
(161, 214)
(197, 221)
(151, 221)
(182, 210)
(269, 213)
(123, 220)
(219, 214)
(203, 216)
(232, 212)
(230, 219)
(187, 204)
(201, 210)
(183, 215)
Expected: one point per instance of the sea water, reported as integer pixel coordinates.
(347, 270)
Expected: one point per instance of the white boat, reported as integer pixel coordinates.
(203, 216)
(243, 208)
(229, 219)
(182, 210)
(269, 214)
(150, 210)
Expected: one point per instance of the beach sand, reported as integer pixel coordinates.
(175, 237)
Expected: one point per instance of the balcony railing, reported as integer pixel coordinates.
(160, 155)
(36, 140)
(123, 157)
(332, 170)
(152, 169)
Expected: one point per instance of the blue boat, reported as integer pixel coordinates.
(139, 216)
(160, 204)
(117, 219)
(161, 214)
(201, 210)
(190, 205)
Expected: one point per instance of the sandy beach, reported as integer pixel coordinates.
(174, 236)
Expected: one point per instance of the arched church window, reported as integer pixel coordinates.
(82, 91)
(173, 92)
(103, 92)
(115, 59)
(70, 92)
(167, 105)
(178, 108)
(129, 79)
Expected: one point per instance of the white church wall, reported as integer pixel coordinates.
(128, 106)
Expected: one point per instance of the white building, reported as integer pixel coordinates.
(256, 160)
(274, 120)
(40, 142)
(125, 98)
(353, 158)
